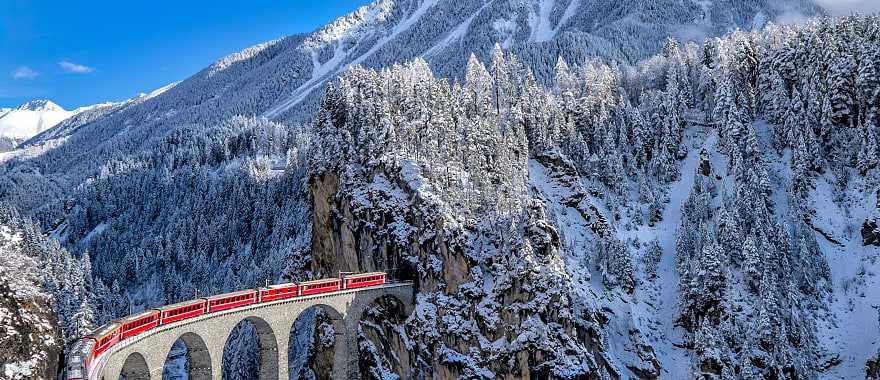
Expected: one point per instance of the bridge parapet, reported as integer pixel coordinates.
(143, 357)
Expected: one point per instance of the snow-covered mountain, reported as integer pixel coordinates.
(283, 79)
(31, 118)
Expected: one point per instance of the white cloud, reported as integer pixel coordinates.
(24, 72)
(71, 67)
(848, 7)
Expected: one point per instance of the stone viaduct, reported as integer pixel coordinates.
(143, 357)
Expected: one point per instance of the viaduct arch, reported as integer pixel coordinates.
(143, 357)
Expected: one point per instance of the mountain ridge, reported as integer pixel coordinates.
(41, 105)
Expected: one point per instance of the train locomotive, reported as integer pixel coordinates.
(87, 350)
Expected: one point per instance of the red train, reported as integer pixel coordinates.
(87, 349)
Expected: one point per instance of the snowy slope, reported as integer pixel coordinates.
(852, 327)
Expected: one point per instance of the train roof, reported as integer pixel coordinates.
(232, 294)
(364, 274)
(321, 281)
(182, 304)
(278, 286)
(102, 331)
(138, 315)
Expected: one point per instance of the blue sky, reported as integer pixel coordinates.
(78, 55)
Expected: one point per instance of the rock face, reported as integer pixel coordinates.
(487, 305)
(870, 233)
(872, 368)
(30, 340)
(30, 347)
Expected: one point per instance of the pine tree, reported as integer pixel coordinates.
(728, 234)
(840, 78)
(751, 263)
(768, 323)
(478, 83)
(868, 82)
(711, 279)
(500, 78)
(869, 153)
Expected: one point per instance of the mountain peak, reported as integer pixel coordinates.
(40, 105)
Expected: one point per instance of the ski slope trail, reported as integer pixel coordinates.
(673, 359)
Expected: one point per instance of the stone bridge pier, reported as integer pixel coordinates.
(143, 357)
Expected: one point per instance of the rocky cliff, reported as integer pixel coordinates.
(494, 299)
(30, 340)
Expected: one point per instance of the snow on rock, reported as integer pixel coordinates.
(30, 342)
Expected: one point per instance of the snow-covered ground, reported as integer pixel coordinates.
(852, 329)
(675, 360)
(657, 301)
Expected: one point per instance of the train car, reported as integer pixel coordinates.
(319, 286)
(362, 280)
(105, 337)
(138, 323)
(231, 300)
(79, 359)
(278, 292)
(183, 310)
